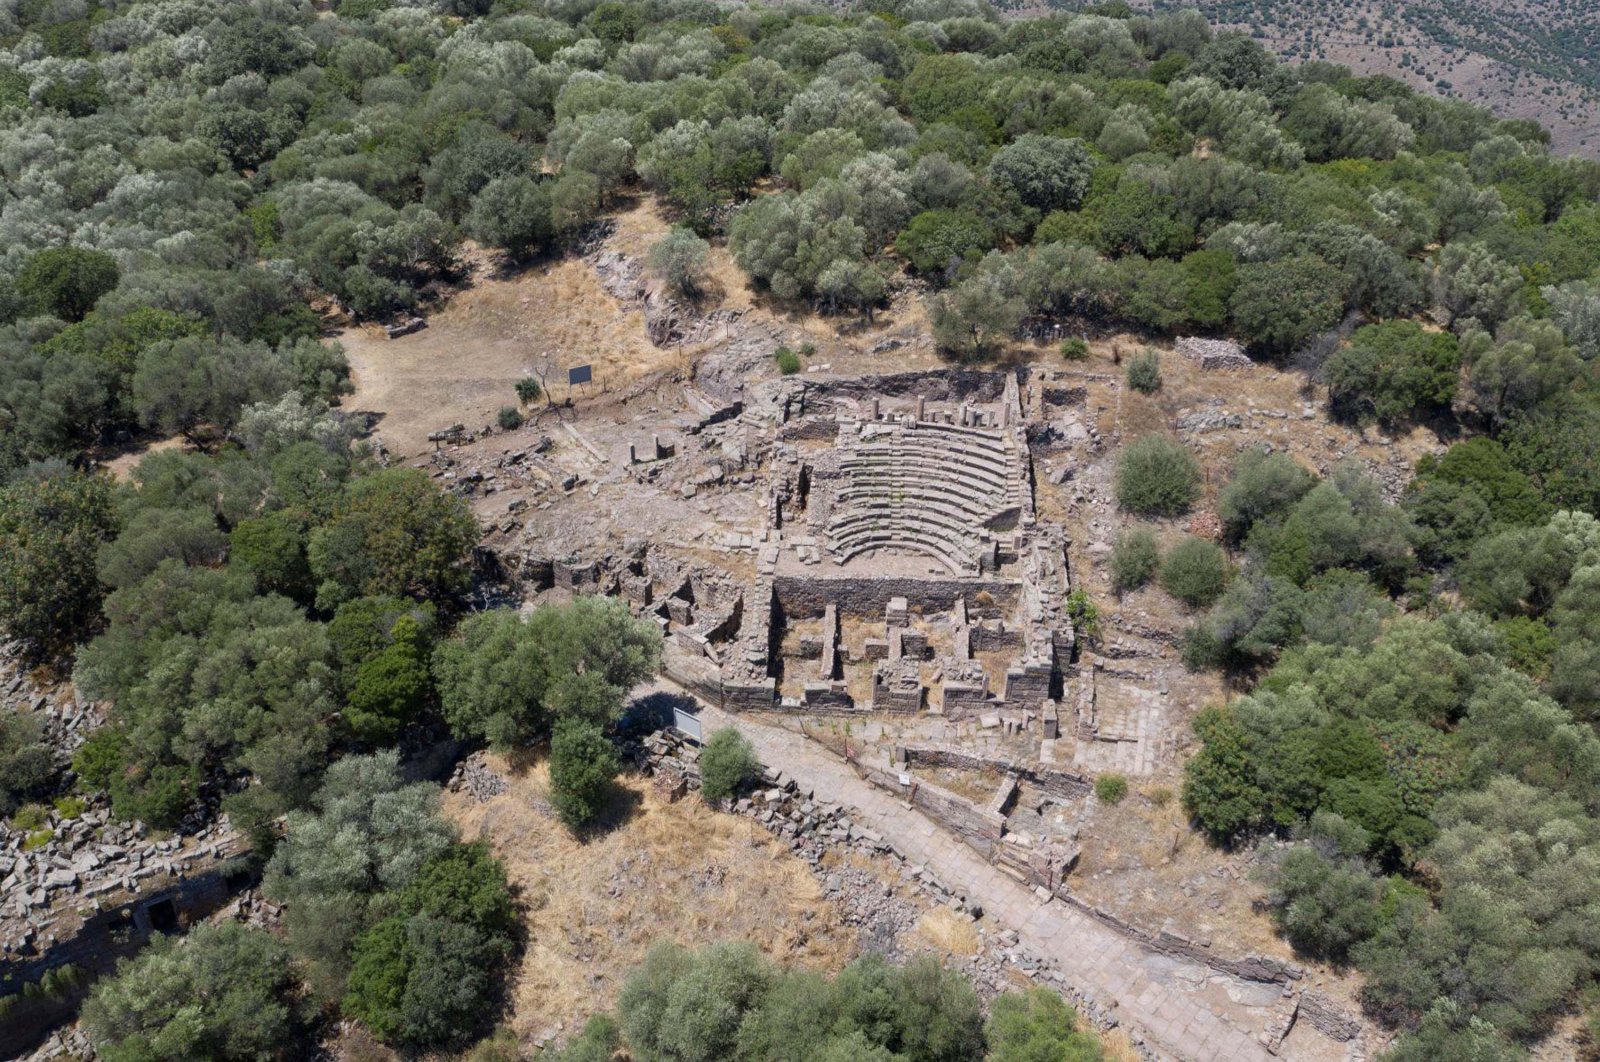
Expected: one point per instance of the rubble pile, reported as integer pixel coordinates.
(253, 910)
(71, 1042)
(90, 861)
(1213, 353)
(67, 720)
(474, 777)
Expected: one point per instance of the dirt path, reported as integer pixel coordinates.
(1184, 1009)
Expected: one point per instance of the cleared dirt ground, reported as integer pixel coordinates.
(463, 367)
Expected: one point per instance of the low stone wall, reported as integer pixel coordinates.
(1327, 1017)
(810, 824)
(1249, 968)
(980, 828)
(984, 639)
(963, 700)
(1026, 687)
(1063, 784)
(829, 697)
(808, 596)
(935, 385)
(704, 680)
(1213, 353)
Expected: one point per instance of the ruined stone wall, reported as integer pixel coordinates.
(936, 385)
(986, 639)
(1249, 968)
(979, 827)
(962, 700)
(1026, 687)
(1063, 784)
(827, 697)
(807, 596)
(1327, 1017)
(983, 828)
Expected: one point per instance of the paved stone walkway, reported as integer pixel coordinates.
(1184, 1009)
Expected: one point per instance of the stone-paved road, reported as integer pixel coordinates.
(1184, 1009)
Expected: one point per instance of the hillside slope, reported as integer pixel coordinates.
(1534, 59)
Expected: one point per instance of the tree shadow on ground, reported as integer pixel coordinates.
(621, 806)
(652, 712)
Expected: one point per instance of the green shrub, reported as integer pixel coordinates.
(1144, 371)
(598, 1042)
(1195, 572)
(729, 1001)
(1110, 788)
(528, 390)
(69, 807)
(1392, 371)
(788, 361)
(1038, 1024)
(1074, 349)
(727, 764)
(500, 1046)
(25, 762)
(1529, 644)
(509, 418)
(38, 839)
(1157, 477)
(30, 817)
(465, 883)
(583, 764)
(1084, 613)
(1324, 906)
(1264, 485)
(1134, 559)
(66, 282)
(423, 981)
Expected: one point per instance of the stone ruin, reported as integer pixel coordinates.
(899, 566)
(1213, 353)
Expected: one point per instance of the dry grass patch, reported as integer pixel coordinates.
(946, 933)
(1142, 860)
(678, 872)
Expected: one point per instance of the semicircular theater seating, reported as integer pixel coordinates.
(930, 489)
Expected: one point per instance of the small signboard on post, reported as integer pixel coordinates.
(580, 374)
(687, 724)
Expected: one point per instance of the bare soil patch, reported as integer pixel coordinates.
(464, 366)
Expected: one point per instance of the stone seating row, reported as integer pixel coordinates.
(947, 471)
(978, 510)
(964, 519)
(1000, 462)
(905, 467)
(938, 515)
(953, 544)
(980, 505)
(944, 552)
(991, 436)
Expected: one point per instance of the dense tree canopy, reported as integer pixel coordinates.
(51, 532)
(506, 679)
(195, 192)
(221, 992)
